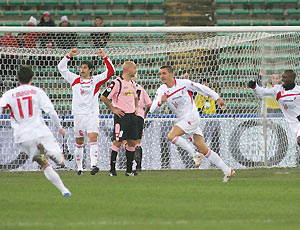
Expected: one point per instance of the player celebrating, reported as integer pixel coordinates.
(176, 93)
(85, 106)
(144, 100)
(26, 104)
(287, 94)
(124, 105)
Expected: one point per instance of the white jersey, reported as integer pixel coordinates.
(85, 91)
(288, 100)
(180, 99)
(26, 103)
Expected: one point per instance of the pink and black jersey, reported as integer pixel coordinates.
(26, 104)
(85, 91)
(144, 99)
(180, 99)
(288, 100)
(122, 93)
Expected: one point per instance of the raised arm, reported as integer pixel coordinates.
(263, 92)
(63, 67)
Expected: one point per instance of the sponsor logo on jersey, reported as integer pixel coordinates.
(129, 93)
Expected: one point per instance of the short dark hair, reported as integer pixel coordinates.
(88, 63)
(290, 73)
(169, 68)
(25, 74)
(99, 17)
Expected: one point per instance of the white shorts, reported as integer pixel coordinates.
(84, 124)
(295, 128)
(191, 125)
(51, 146)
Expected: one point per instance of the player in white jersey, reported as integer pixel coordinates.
(288, 96)
(26, 104)
(85, 104)
(177, 94)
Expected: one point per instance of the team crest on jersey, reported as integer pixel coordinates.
(81, 91)
(175, 104)
(285, 106)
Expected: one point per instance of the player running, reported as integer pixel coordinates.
(85, 105)
(26, 104)
(288, 96)
(177, 94)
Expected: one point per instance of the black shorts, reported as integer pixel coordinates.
(140, 127)
(125, 128)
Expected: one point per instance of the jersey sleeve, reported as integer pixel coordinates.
(112, 89)
(3, 102)
(157, 101)
(65, 72)
(202, 89)
(105, 76)
(266, 92)
(47, 106)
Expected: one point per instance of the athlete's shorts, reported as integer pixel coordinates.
(50, 144)
(190, 125)
(125, 128)
(295, 128)
(140, 126)
(84, 124)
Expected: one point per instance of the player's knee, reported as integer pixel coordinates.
(298, 140)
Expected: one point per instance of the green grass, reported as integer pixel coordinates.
(168, 200)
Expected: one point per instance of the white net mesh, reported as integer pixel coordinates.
(242, 135)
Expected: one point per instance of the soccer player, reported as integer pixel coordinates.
(144, 100)
(85, 106)
(124, 105)
(26, 104)
(177, 94)
(288, 96)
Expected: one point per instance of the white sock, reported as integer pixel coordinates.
(181, 142)
(216, 159)
(94, 153)
(78, 156)
(54, 178)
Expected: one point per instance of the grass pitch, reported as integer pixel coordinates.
(194, 199)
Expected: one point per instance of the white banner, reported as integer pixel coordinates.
(239, 142)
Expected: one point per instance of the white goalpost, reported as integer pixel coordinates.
(250, 133)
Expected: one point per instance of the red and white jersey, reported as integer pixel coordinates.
(26, 104)
(288, 100)
(122, 93)
(144, 99)
(85, 91)
(180, 99)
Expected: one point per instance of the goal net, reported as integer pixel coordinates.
(250, 133)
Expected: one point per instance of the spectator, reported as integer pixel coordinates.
(99, 40)
(46, 20)
(65, 40)
(31, 37)
(9, 40)
(47, 40)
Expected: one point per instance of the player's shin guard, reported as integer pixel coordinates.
(130, 157)
(215, 159)
(138, 155)
(181, 142)
(113, 157)
(54, 178)
(94, 153)
(79, 156)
